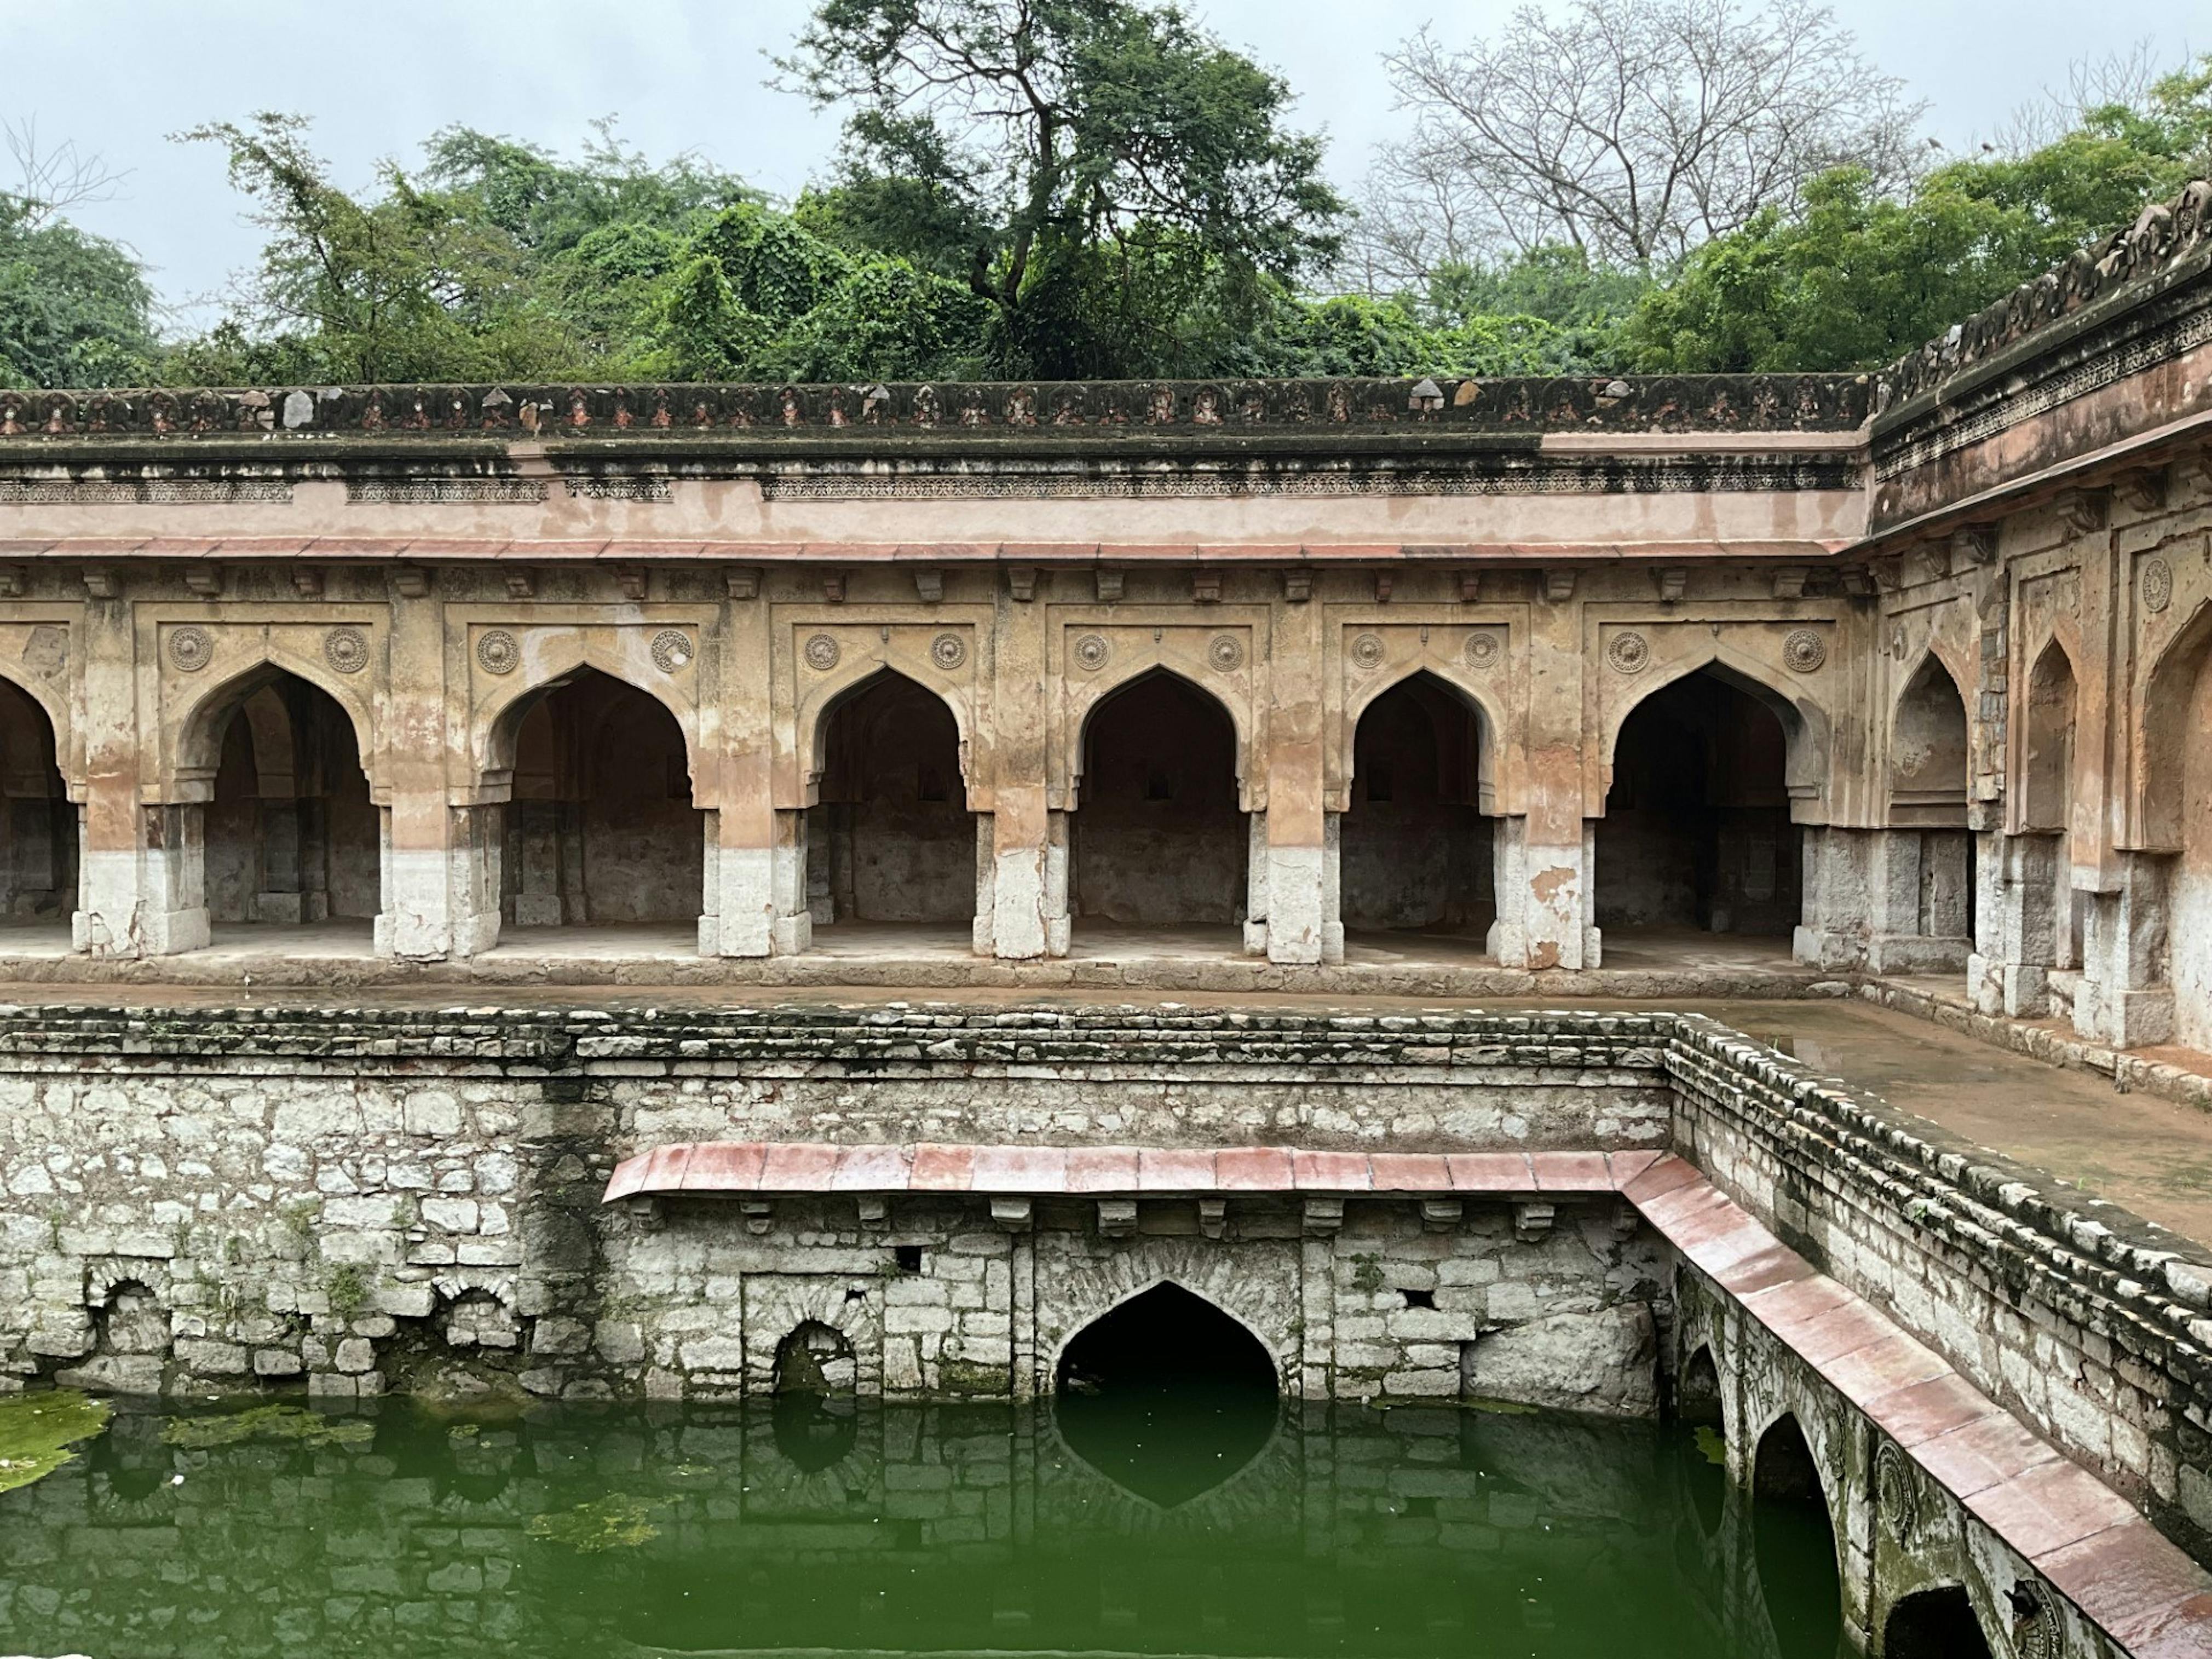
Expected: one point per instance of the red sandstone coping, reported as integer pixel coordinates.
(2087, 1542)
(746, 1166)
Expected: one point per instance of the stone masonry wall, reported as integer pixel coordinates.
(376, 1198)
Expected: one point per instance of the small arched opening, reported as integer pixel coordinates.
(1935, 1624)
(1928, 778)
(891, 839)
(1415, 846)
(1160, 839)
(600, 828)
(1166, 1395)
(1794, 1541)
(1696, 836)
(815, 1420)
(1697, 1408)
(293, 839)
(37, 824)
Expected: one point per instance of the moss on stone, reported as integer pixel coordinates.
(39, 1431)
(616, 1521)
(292, 1423)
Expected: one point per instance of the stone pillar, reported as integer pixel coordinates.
(2015, 924)
(171, 914)
(987, 903)
(1836, 904)
(1332, 888)
(430, 861)
(791, 922)
(114, 913)
(1028, 885)
(2123, 997)
(1255, 884)
(478, 837)
(281, 896)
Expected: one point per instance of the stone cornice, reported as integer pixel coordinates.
(956, 417)
(2168, 241)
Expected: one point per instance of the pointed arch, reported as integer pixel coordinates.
(1806, 726)
(1097, 696)
(196, 751)
(2169, 731)
(1480, 701)
(1929, 749)
(2047, 754)
(1936, 1623)
(550, 665)
(891, 834)
(822, 703)
(1163, 836)
(1158, 1282)
(54, 704)
(1415, 845)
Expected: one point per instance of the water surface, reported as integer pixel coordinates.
(800, 1524)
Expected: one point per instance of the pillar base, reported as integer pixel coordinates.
(1917, 953)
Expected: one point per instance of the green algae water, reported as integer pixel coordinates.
(805, 1527)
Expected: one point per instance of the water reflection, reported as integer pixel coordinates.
(892, 1529)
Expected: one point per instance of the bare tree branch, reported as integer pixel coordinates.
(50, 181)
(1633, 129)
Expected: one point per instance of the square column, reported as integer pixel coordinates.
(2123, 997)
(2015, 925)
(1026, 889)
(1545, 894)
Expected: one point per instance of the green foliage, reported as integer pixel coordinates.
(1856, 278)
(37, 1431)
(75, 308)
(1055, 155)
(347, 1289)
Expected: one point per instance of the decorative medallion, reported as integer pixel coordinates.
(822, 654)
(1368, 651)
(1896, 1492)
(948, 651)
(2157, 585)
(497, 652)
(1628, 654)
(1482, 651)
(1091, 652)
(2037, 1632)
(672, 649)
(346, 649)
(1804, 651)
(190, 648)
(1225, 653)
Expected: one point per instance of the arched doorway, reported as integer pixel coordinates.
(1930, 898)
(1697, 1408)
(1165, 1394)
(2177, 766)
(1696, 836)
(292, 838)
(891, 838)
(38, 825)
(1935, 1624)
(601, 829)
(1160, 839)
(1414, 850)
(1794, 1541)
(814, 1420)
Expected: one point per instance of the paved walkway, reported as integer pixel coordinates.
(2149, 1154)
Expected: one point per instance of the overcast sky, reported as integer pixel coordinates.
(118, 76)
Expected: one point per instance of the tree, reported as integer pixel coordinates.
(1632, 129)
(413, 285)
(1018, 144)
(75, 308)
(1857, 276)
